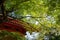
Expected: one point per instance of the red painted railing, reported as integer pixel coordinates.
(13, 26)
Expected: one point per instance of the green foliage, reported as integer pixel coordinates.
(5, 35)
(46, 12)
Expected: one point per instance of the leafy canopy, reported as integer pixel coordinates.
(41, 14)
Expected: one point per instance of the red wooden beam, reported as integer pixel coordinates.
(13, 27)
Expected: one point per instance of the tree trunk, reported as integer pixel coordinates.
(3, 11)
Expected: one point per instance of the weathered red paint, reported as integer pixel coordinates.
(13, 26)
